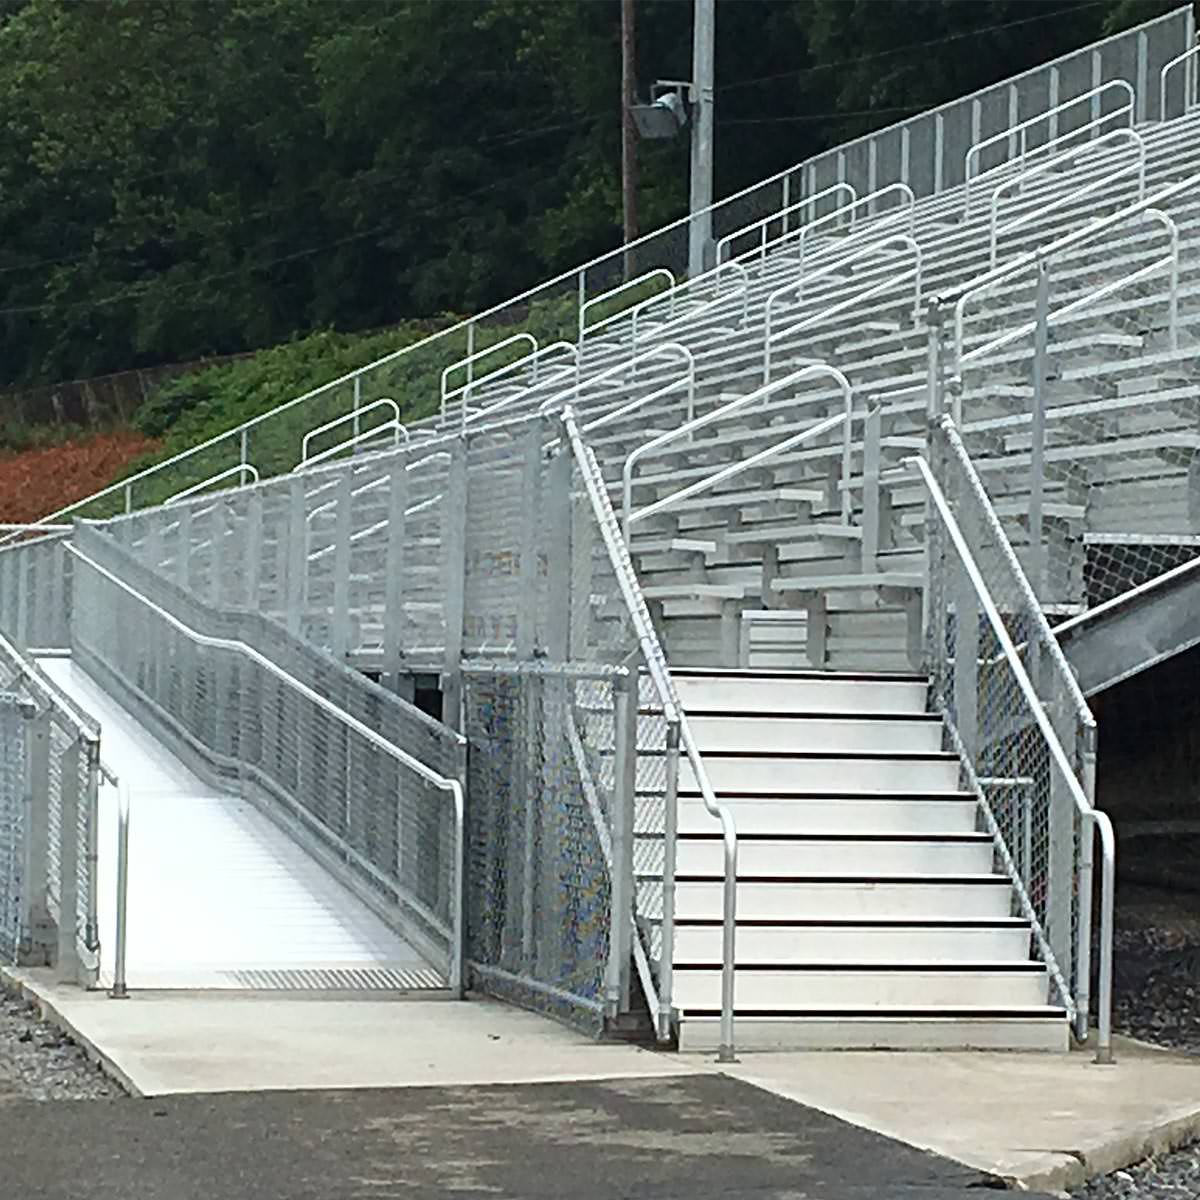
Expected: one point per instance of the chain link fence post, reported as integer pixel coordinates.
(40, 934)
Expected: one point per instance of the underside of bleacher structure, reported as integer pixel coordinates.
(767, 603)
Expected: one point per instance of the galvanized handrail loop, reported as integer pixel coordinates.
(795, 290)
(1185, 60)
(1071, 196)
(241, 470)
(908, 212)
(468, 364)
(355, 416)
(982, 284)
(613, 292)
(764, 223)
(654, 445)
(698, 281)
(430, 776)
(1021, 129)
(561, 399)
(554, 372)
(659, 673)
(1096, 821)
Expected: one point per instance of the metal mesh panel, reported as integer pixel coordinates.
(366, 813)
(35, 592)
(12, 821)
(1028, 804)
(541, 783)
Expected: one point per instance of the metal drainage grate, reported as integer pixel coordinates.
(340, 979)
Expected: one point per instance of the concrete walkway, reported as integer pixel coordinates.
(1039, 1121)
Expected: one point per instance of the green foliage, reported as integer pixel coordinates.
(180, 180)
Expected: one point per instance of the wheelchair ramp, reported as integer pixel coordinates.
(219, 895)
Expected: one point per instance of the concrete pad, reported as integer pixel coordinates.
(164, 1043)
(1042, 1121)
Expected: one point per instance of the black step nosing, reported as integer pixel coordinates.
(906, 925)
(823, 676)
(806, 714)
(934, 1012)
(887, 839)
(875, 880)
(837, 797)
(892, 968)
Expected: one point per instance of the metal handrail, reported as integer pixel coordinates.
(656, 273)
(655, 444)
(983, 283)
(1184, 60)
(1099, 821)
(902, 189)
(355, 416)
(428, 774)
(560, 399)
(692, 314)
(471, 359)
(781, 214)
(797, 287)
(746, 464)
(397, 431)
(1071, 196)
(242, 469)
(466, 416)
(678, 734)
(554, 373)
(1021, 129)
(120, 982)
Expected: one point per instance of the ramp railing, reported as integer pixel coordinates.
(49, 819)
(367, 783)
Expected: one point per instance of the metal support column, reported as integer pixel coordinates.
(454, 547)
(37, 925)
(622, 896)
(67, 963)
(703, 69)
(1037, 454)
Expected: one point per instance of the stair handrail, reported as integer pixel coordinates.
(797, 286)
(1020, 130)
(1069, 197)
(242, 470)
(812, 371)
(395, 428)
(531, 359)
(684, 318)
(1098, 821)
(440, 782)
(908, 208)
(781, 214)
(984, 282)
(679, 734)
(613, 292)
(559, 400)
(1180, 60)
(356, 415)
(475, 356)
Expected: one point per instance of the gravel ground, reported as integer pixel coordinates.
(1157, 999)
(39, 1063)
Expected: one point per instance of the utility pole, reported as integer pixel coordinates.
(703, 73)
(629, 163)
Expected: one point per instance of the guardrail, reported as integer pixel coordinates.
(674, 322)
(374, 434)
(1020, 131)
(612, 293)
(1075, 194)
(907, 211)
(531, 360)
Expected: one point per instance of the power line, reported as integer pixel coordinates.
(830, 116)
(953, 37)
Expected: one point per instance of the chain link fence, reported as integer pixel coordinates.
(996, 669)
(366, 782)
(12, 825)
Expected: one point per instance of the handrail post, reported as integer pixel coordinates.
(1037, 453)
(120, 985)
(622, 895)
(666, 965)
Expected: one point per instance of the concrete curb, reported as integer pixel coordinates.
(1118, 1152)
(28, 989)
